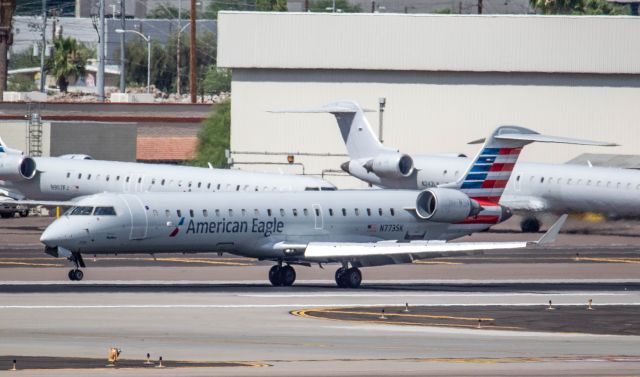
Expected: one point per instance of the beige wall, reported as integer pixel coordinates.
(429, 112)
(14, 134)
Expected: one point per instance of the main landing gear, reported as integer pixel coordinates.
(530, 225)
(282, 276)
(348, 277)
(76, 274)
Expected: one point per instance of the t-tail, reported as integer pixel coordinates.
(488, 174)
(355, 129)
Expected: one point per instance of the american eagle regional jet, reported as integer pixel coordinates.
(355, 228)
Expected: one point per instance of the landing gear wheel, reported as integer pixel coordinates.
(24, 213)
(530, 225)
(352, 277)
(287, 276)
(340, 277)
(76, 275)
(274, 276)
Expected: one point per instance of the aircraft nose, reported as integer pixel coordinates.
(345, 166)
(53, 234)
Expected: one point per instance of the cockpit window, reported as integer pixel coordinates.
(104, 211)
(81, 211)
(328, 188)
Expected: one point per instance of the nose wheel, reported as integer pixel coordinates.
(348, 277)
(76, 274)
(282, 276)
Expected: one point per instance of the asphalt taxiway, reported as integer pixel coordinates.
(208, 315)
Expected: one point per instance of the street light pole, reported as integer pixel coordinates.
(147, 39)
(178, 48)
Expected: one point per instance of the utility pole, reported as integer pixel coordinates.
(100, 78)
(192, 54)
(178, 48)
(43, 48)
(6, 38)
(123, 25)
(480, 6)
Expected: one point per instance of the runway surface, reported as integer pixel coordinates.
(210, 309)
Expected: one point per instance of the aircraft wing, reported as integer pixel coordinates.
(406, 251)
(45, 203)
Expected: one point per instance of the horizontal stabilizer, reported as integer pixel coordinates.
(322, 110)
(554, 139)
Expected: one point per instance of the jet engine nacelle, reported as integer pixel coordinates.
(17, 167)
(391, 165)
(445, 205)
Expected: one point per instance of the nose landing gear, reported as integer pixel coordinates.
(76, 274)
(282, 276)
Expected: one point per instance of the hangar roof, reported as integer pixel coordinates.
(429, 42)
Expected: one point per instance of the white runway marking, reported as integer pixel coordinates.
(300, 305)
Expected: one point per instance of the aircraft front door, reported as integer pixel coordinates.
(139, 219)
(317, 215)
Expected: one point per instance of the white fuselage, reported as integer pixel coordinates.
(258, 225)
(64, 179)
(556, 188)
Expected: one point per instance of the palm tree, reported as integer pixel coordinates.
(68, 60)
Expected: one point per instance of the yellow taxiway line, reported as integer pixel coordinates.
(610, 260)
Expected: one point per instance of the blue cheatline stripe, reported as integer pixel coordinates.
(476, 177)
(480, 168)
(471, 185)
(485, 160)
(1, 148)
(181, 221)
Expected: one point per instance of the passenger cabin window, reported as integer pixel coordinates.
(108, 211)
(167, 213)
(191, 212)
(81, 211)
(244, 212)
(330, 211)
(256, 212)
(356, 211)
(230, 212)
(205, 213)
(107, 178)
(153, 181)
(295, 212)
(179, 213)
(317, 210)
(380, 211)
(238, 188)
(269, 212)
(139, 179)
(541, 179)
(281, 212)
(208, 186)
(392, 211)
(79, 175)
(88, 177)
(368, 211)
(199, 184)
(344, 212)
(68, 175)
(217, 213)
(306, 212)
(127, 180)
(117, 178)
(162, 183)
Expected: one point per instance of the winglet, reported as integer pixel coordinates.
(552, 233)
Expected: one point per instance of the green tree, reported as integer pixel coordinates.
(211, 12)
(20, 83)
(217, 80)
(214, 137)
(24, 59)
(68, 60)
(271, 5)
(326, 5)
(578, 7)
(168, 12)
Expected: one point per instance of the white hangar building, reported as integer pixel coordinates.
(447, 80)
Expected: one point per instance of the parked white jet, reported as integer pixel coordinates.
(71, 176)
(286, 228)
(533, 190)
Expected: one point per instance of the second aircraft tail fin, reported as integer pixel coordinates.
(488, 174)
